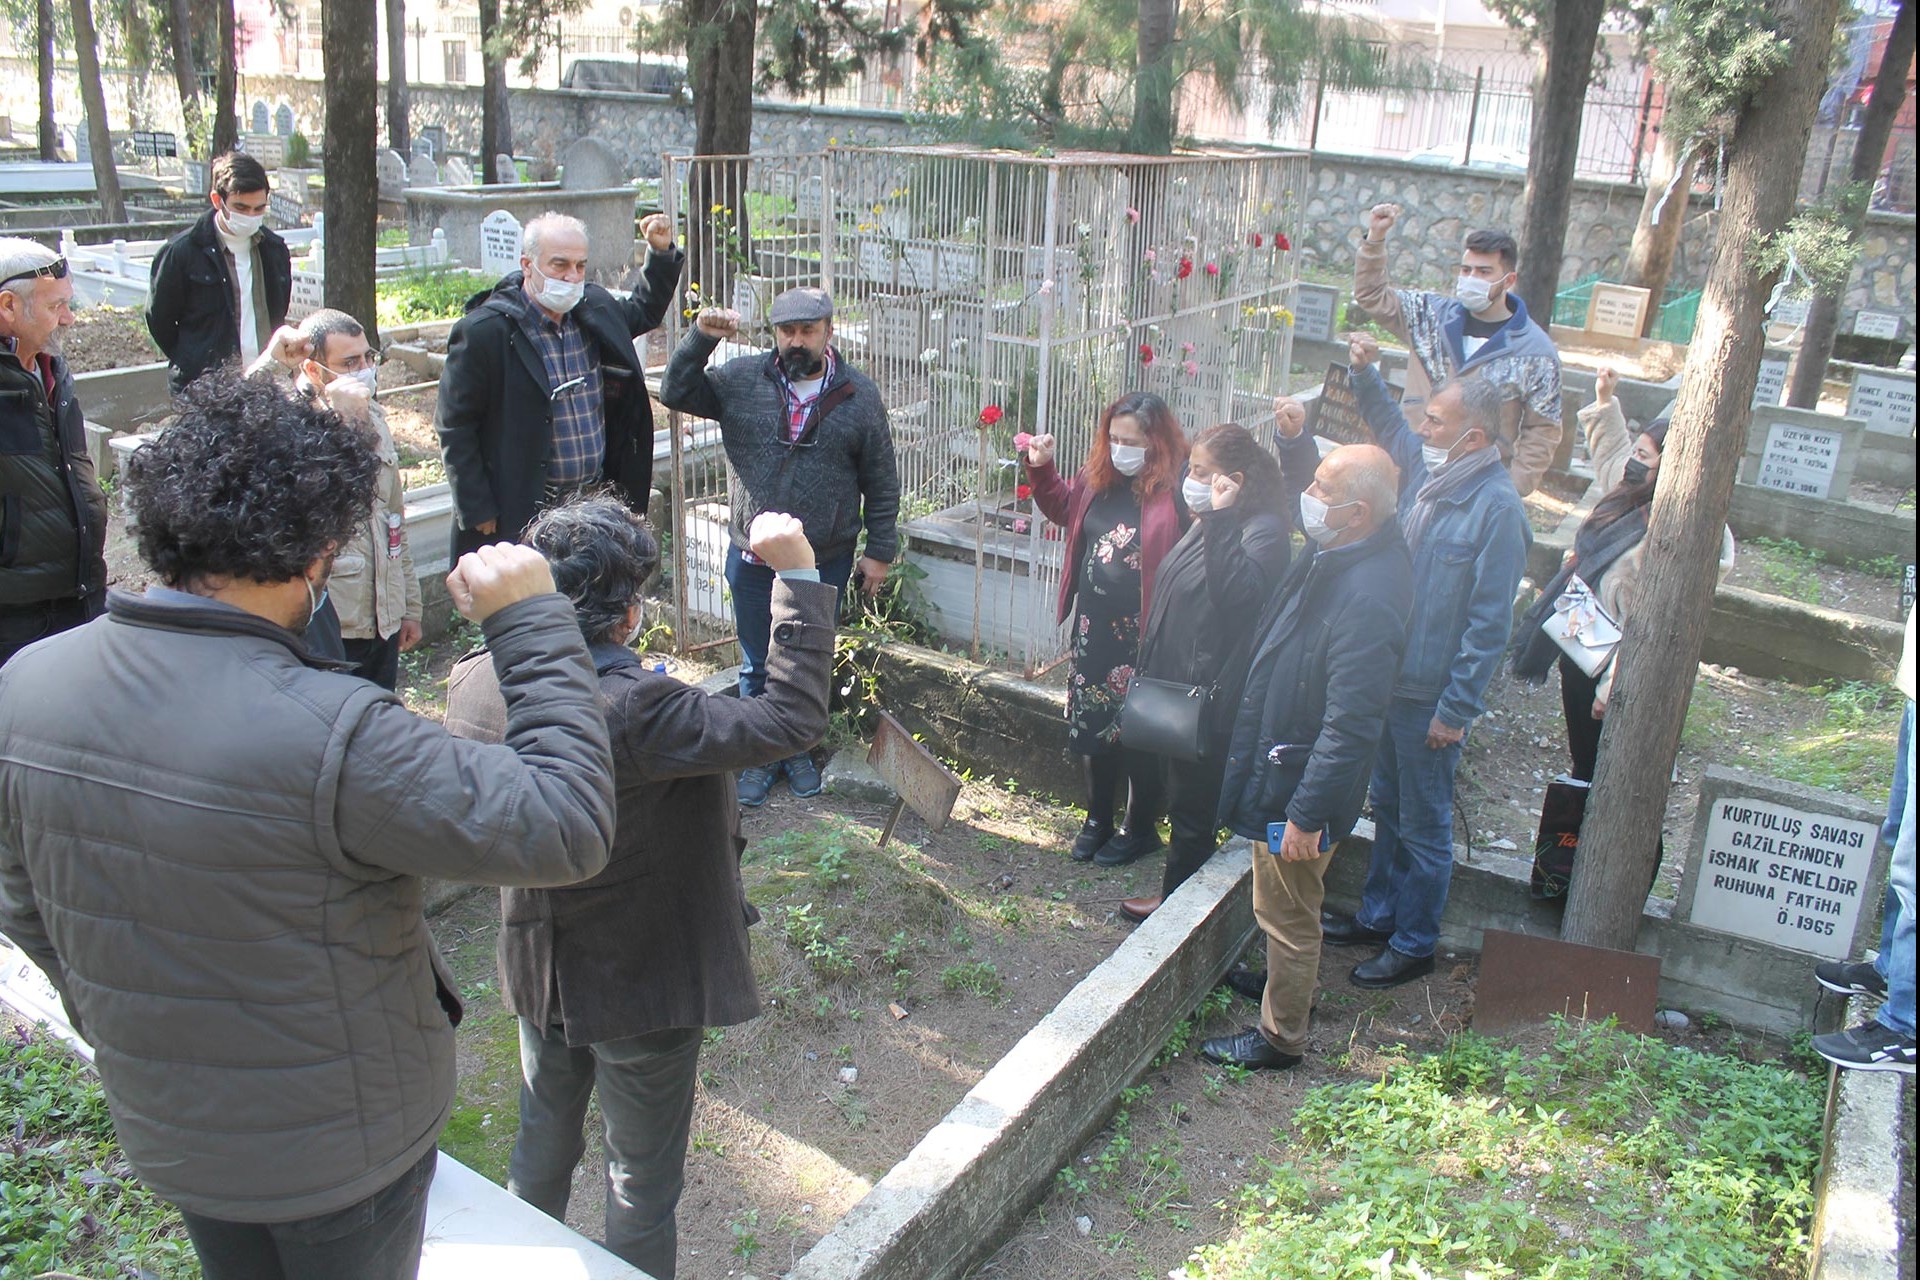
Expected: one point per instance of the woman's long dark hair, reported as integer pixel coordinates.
(1234, 449)
(1623, 497)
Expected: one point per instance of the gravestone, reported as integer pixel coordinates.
(1773, 378)
(82, 145)
(499, 243)
(422, 146)
(591, 165)
(1877, 324)
(1784, 864)
(1335, 413)
(308, 296)
(459, 172)
(259, 120)
(198, 178)
(283, 120)
(1799, 451)
(1314, 308)
(507, 169)
(392, 173)
(1618, 310)
(151, 144)
(1791, 311)
(287, 207)
(422, 173)
(1883, 399)
(437, 136)
(270, 149)
(810, 200)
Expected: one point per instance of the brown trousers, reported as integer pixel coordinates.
(1286, 904)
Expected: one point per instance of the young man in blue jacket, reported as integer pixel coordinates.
(1467, 530)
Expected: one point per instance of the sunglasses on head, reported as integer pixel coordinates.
(55, 270)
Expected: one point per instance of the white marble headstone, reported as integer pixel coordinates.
(499, 243)
(392, 173)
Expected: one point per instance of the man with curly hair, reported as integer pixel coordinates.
(218, 864)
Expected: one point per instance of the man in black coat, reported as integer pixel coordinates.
(543, 394)
(1309, 721)
(53, 516)
(221, 287)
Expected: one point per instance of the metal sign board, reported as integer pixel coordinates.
(1526, 979)
(916, 775)
(1335, 413)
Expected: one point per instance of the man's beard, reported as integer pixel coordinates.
(800, 364)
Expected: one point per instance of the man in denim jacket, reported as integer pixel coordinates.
(1467, 530)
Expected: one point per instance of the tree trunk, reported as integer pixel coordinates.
(353, 188)
(1661, 647)
(1870, 149)
(1152, 132)
(1559, 99)
(1650, 260)
(720, 69)
(186, 73)
(106, 178)
(496, 122)
(399, 136)
(43, 47)
(226, 120)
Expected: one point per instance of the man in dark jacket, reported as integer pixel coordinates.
(543, 395)
(614, 979)
(53, 516)
(219, 863)
(1307, 726)
(221, 287)
(807, 434)
(1467, 531)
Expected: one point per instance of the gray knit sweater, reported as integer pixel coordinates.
(839, 476)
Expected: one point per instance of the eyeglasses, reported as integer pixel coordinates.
(365, 360)
(55, 270)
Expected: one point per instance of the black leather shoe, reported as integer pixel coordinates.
(1093, 835)
(1247, 983)
(1390, 968)
(1339, 929)
(1127, 847)
(1249, 1049)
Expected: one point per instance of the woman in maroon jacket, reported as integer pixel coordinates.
(1122, 515)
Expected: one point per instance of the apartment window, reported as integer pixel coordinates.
(456, 59)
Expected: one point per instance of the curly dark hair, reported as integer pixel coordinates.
(602, 556)
(249, 483)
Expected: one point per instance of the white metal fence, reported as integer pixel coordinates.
(966, 282)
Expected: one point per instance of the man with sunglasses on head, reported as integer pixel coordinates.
(53, 516)
(221, 287)
(807, 434)
(373, 592)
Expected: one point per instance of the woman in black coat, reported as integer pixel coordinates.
(1213, 588)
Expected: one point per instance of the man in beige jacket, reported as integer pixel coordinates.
(374, 589)
(1481, 326)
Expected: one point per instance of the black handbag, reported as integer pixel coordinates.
(1164, 718)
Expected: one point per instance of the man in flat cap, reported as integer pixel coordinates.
(806, 434)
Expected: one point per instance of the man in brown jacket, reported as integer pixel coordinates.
(1481, 326)
(216, 853)
(615, 979)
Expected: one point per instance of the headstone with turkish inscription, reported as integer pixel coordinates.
(459, 172)
(499, 243)
(198, 179)
(1907, 589)
(308, 296)
(1314, 306)
(1618, 310)
(1883, 399)
(436, 137)
(259, 118)
(1876, 324)
(287, 207)
(421, 146)
(1800, 451)
(391, 171)
(422, 172)
(1335, 413)
(283, 120)
(1773, 377)
(1784, 864)
(270, 149)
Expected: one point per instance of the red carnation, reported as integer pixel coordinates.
(1021, 492)
(1258, 240)
(990, 415)
(1185, 268)
(1281, 242)
(1146, 353)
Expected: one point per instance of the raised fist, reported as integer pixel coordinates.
(779, 540)
(1380, 220)
(1289, 416)
(658, 230)
(1040, 450)
(719, 322)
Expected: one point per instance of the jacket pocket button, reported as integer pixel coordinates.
(783, 632)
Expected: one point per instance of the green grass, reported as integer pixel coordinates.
(479, 1134)
(1606, 1155)
(1788, 569)
(426, 293)
(68, 1200)
(1850, 749)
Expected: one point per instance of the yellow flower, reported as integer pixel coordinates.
(716, 209)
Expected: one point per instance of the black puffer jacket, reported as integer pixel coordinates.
(53, 516)
(1318, 688)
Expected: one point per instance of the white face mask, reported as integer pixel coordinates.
(1128, 459)
(1198, 493)
(1313, 519)
(242, 224)
(639, 628)
(1436, 457)
(1474, 293)
(559, 296)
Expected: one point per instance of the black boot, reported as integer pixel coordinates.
(1146, 802)
(1102, 776)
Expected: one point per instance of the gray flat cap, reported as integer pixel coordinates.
(798, 305)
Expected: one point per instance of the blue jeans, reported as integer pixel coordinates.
(378, 1238)
(752, 588)
(1895, 961)
(1412, 862)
